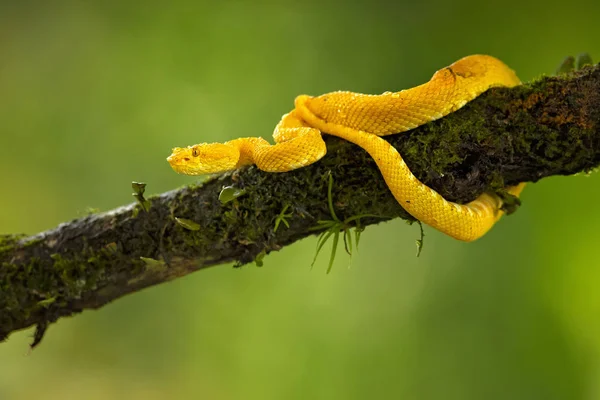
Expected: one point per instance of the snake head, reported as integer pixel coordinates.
(202, 159)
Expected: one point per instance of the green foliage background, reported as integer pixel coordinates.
(93, 95)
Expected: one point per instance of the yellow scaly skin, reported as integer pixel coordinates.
(362, 119)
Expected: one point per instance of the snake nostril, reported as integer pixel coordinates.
(186, 159)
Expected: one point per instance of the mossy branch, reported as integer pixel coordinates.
(506, 136)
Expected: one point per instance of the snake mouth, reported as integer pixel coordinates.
(176, 160)
(178, 156)
(179, 166)
(183, 162)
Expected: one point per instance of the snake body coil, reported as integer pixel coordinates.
(362, 119)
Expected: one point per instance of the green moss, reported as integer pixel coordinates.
(153, 265)
(282, 218)
(34, 288)
(258, 260)
(46, 303)
(7, 242)
(139, 188)
(136, 211)
(188, 224)
(230, 193)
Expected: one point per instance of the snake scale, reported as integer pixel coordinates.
(362, 119)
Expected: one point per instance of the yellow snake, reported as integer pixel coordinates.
(362, 119)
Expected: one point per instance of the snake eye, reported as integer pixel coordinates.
(195, 152)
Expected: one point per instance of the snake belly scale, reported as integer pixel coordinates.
(362, 119)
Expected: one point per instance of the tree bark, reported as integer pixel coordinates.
(505, 136)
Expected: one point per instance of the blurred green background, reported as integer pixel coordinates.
(93, 95)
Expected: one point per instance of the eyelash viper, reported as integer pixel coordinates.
(362, 119)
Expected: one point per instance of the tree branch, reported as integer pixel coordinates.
(505, 136)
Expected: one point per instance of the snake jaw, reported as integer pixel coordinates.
(180, 160)
(202, 159)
